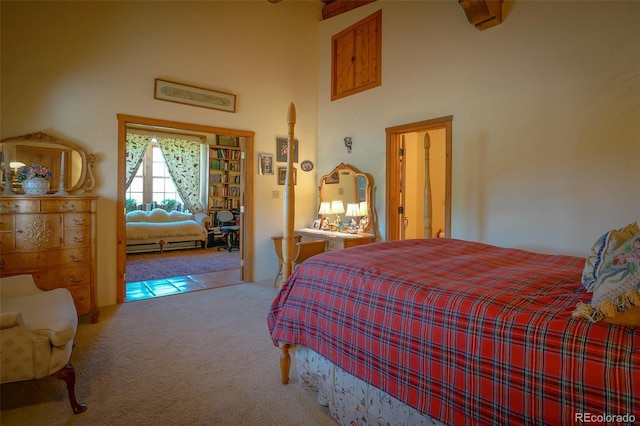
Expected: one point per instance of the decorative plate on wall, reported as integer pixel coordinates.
(306, 166)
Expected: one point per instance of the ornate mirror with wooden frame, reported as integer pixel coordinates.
(70, 165)
(346, 191)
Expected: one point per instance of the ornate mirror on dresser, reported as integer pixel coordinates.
(50, 235)
(69, 164)
(346, 216)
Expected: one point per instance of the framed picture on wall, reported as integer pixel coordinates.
(282, 175)
(282, 145)
(265, 164)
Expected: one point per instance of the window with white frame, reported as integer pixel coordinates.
(152, 181)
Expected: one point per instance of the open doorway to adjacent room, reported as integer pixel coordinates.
(236, 264)
(418, 180)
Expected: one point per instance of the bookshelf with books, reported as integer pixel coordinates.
(224, 178)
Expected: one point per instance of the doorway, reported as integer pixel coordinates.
(420, 206)
(246, 195)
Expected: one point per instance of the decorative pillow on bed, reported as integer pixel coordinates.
(616, 290)
(602, 251)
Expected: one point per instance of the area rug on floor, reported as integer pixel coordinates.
(177, 263)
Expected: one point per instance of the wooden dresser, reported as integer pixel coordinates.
(54, 239)
(336, 240)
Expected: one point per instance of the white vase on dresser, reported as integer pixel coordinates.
(35, 186)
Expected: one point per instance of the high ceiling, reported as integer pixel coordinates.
(336, 7)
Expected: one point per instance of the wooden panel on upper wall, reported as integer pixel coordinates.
(356, 57)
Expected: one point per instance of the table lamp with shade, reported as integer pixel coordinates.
(337, 208)
(352, 212)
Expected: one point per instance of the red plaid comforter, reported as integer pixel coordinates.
(467, 333)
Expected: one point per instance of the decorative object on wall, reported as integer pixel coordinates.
(281, 149)
(226, 140)
(306, 166)
(192, 95)
(265, 164)
(282, 175)
(348, 142)
(482, 14)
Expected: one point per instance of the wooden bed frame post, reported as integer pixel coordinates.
(285, 363)
(289, 200)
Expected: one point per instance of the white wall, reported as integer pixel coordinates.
(546, 127)
(69, 67)
(546, 136)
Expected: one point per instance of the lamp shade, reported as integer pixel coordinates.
(363, 209)
(337, 207)
(325, 208)
(352, 209)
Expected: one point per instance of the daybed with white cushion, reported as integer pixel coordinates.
(148, 231)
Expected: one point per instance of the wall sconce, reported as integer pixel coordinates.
(348, 142)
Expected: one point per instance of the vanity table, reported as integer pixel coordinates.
(51, 236)
(336, 240)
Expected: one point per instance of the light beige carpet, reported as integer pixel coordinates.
(200, 358)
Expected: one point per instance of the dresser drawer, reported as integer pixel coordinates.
(74, 220)
(352, 242)
(77, 237)
(82, 298)
(55, 206)
(6, 222)
(35, 260)
(7, 242)
(19, 206)
(63, 277)
(38, 231)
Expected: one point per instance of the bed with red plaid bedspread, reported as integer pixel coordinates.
(462, 331)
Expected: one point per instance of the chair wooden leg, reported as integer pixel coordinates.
(68, 374)
(275, 282)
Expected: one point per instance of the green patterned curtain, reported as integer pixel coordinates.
(136, 148)
(183, 161)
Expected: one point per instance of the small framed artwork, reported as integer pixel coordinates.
(332, 178)
(306, 166)
(265, 164)
(282, 145)
(226, 140)
(192, 95)
(282, 175)
(316, 224)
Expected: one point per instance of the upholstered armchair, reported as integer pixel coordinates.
(37, 329)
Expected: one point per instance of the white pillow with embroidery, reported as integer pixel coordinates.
(602, 251)
(617, 286)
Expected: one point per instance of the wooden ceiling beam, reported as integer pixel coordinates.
(332, 8)
(482, 14)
